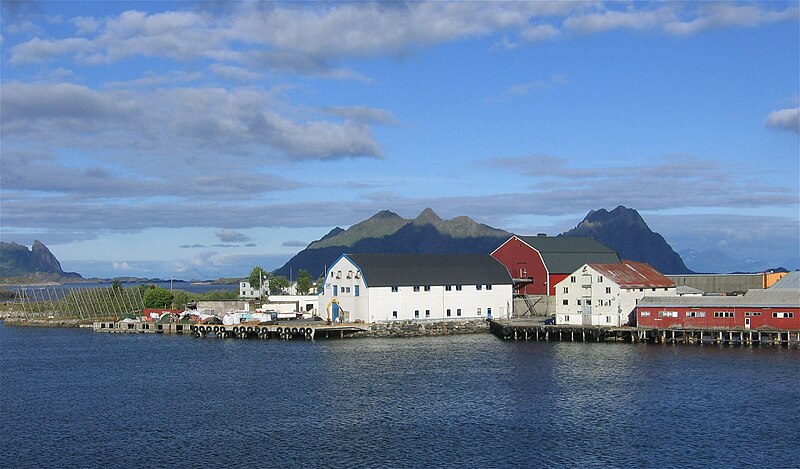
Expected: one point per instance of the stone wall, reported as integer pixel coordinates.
(423, 329)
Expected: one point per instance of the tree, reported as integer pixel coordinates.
(278, 284)
(257, 277)
(116, 285)
(179, 299)
(304, 283)
(156, 297)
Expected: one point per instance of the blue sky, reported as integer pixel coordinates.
(197, 139)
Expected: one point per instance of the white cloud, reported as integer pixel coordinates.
(785, 119)
(231, 236)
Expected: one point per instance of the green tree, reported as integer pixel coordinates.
(156, 297)
(257, 276)
(278, 283)
(116, 285)
(304, 282)
(179, 299)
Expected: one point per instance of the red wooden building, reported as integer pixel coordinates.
(757, 309)
(538, 263)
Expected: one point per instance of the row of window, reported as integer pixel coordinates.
(717, 314)
(607, 319)
(588, 302)
(418, 288)
(448, 313)
(350, 274)
(574, 279)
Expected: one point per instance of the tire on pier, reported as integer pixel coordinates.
(506, 332)
(249, 328)
(655, 333)
(596, 333)
(294, 330)
(301, 331)
(279, 330)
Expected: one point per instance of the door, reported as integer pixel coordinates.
(335, 312)
(747, 323)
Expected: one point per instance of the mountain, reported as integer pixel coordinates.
(386, 232)
(712, 260)
(16, 261)
(624, 230)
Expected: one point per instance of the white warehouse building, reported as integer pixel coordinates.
(407, 287)
(606, 294)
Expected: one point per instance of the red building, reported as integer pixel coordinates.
(757, 309)
(538, 263)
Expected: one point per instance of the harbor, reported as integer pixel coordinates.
(285, 331)
(528, 330)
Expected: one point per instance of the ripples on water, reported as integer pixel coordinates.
(73, 398)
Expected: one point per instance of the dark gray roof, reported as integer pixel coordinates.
(751, 299)
(564, 255)
(386, 270)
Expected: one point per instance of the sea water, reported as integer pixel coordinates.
(74, 398)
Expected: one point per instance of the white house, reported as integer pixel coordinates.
(606, 294)
(248, 291)
(402, 287)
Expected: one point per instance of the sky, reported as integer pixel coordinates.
(197, 139)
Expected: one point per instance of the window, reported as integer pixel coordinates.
(579, 302)
(478, 287)
(394, 314)
(448, 288)
(724, 314)
(599, 279)
(349, 274)
(427, 288)
(589, 302)
(448, 313)
(394, 289)
(416, 313)
(753, 313)
(566, 318)
(668, 314)
(458, 287)
(566, 290)
(427, 313)
(338, 274)
(458, 312)
(572, 279)
(488, 287)
(783, 315)
(695, 314)
(489, 312)
(608, 290)
(356, 293)
(645, 314)
(479, 311)
(654, 289)
(416, 287)
(608, 318)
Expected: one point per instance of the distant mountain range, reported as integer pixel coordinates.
(622, 229)
(38, 262)
(389, 233)
(712, 260)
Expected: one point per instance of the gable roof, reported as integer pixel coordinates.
(385, 270)
(564, 255)
(629, 274)
(752, 299)
(789, 281)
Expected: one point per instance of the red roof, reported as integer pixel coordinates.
(631, 274)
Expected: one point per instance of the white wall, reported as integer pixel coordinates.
(609, 305)
(378, 304)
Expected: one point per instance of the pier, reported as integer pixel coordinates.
(289, 330)
(528, 330)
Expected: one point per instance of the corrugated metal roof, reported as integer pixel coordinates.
(631, 274)
(752, 299)
(385, 270)
(564, 255)
(789, 281)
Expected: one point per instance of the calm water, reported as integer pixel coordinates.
(74, 398)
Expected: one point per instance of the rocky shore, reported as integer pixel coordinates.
(423, 329)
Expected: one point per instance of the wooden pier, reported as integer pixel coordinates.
(286, 331)
(537, 331)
